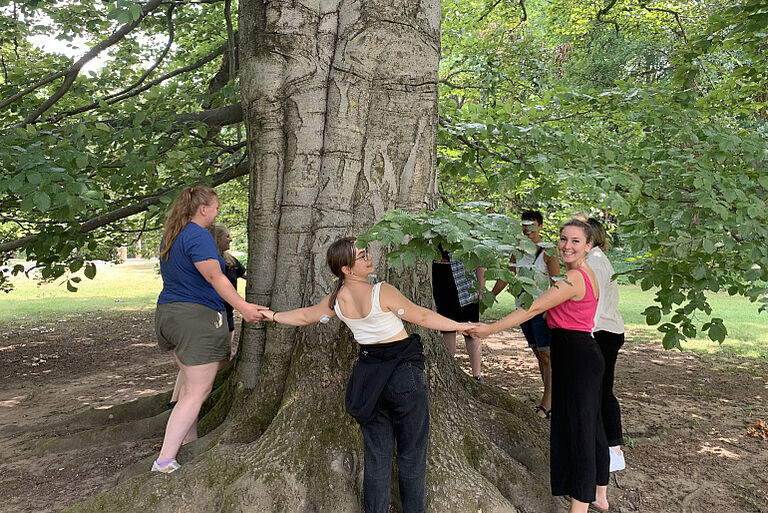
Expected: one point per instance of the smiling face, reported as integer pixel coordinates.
(208, 213)
(533, 231)
(573, 245)
(226, 240)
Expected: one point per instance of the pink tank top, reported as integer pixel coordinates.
(575, 315)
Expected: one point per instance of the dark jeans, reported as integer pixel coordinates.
(610, 343)
(401, 415)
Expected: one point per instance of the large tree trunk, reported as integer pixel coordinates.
(340, 104)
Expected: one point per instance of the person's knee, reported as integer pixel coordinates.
(197, 393)
(543, 357)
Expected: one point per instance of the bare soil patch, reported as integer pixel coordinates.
(687, 415)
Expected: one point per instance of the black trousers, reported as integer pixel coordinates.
(610, 343)
(579, 458)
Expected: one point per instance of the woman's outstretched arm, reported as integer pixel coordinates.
(302, 316)
(392, 300)
(563, 290)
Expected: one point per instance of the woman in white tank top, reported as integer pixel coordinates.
(387, 393)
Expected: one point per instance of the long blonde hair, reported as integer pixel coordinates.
(219, 232)
(181, 212)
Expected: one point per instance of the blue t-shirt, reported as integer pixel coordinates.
(182, 282)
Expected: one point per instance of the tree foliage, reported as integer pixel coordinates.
(650, 115)
(90, 159)
(617, 120)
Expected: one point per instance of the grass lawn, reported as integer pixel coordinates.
(747, 329)
(130, 286)
(136, 284)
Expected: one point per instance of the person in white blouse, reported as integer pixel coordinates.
(609, 335)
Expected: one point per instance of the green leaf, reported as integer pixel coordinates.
(90, 270)
(76, 265)
(652, 315)
(70, 286)
(135, 10)
(42, 201)
(34, 178)
(717, 331)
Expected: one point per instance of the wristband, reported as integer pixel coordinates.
(274, 317)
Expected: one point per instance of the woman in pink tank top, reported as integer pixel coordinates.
(579, 457)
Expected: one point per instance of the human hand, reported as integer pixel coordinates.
(464, 328)
(253, 312)
(480, 330)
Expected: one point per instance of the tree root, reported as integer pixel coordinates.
(139, 429)
(142, 407)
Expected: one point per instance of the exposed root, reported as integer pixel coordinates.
(135, 430)
(142, 407)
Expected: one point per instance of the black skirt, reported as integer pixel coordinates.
(447, 296)
(579, 458)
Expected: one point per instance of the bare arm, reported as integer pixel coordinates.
(211, 271)
(553, 266)
(480, 273)
(303, 316)
(500, 284)
(553, 296)
(392, 300)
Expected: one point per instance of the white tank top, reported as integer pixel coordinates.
(374, 327)
(541, 278)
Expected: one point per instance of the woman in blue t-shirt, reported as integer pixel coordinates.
(190, 316)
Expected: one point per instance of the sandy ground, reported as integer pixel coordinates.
(687, 416)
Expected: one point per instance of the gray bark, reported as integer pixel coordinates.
(340, 106)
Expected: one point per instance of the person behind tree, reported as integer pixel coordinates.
(233, 270)
(609, 335)
(454, 298)
(578, 448)
(536, 330)
(387, 393)
(189, 319)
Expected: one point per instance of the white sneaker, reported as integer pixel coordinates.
(617, 459)
(172, 466)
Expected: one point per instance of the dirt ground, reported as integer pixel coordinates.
(686, 416)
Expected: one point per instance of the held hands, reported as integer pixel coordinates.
(253, 312)
(465, 327)
(479, 330)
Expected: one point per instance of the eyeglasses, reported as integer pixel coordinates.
(363, 255)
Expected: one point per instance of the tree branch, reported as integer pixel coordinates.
(602, 12)
(93, 223)
(673, 13)
(72, 72)
(171, 35)
(489, 10)
(195, 65)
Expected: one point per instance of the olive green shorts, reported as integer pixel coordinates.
(198, 334)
